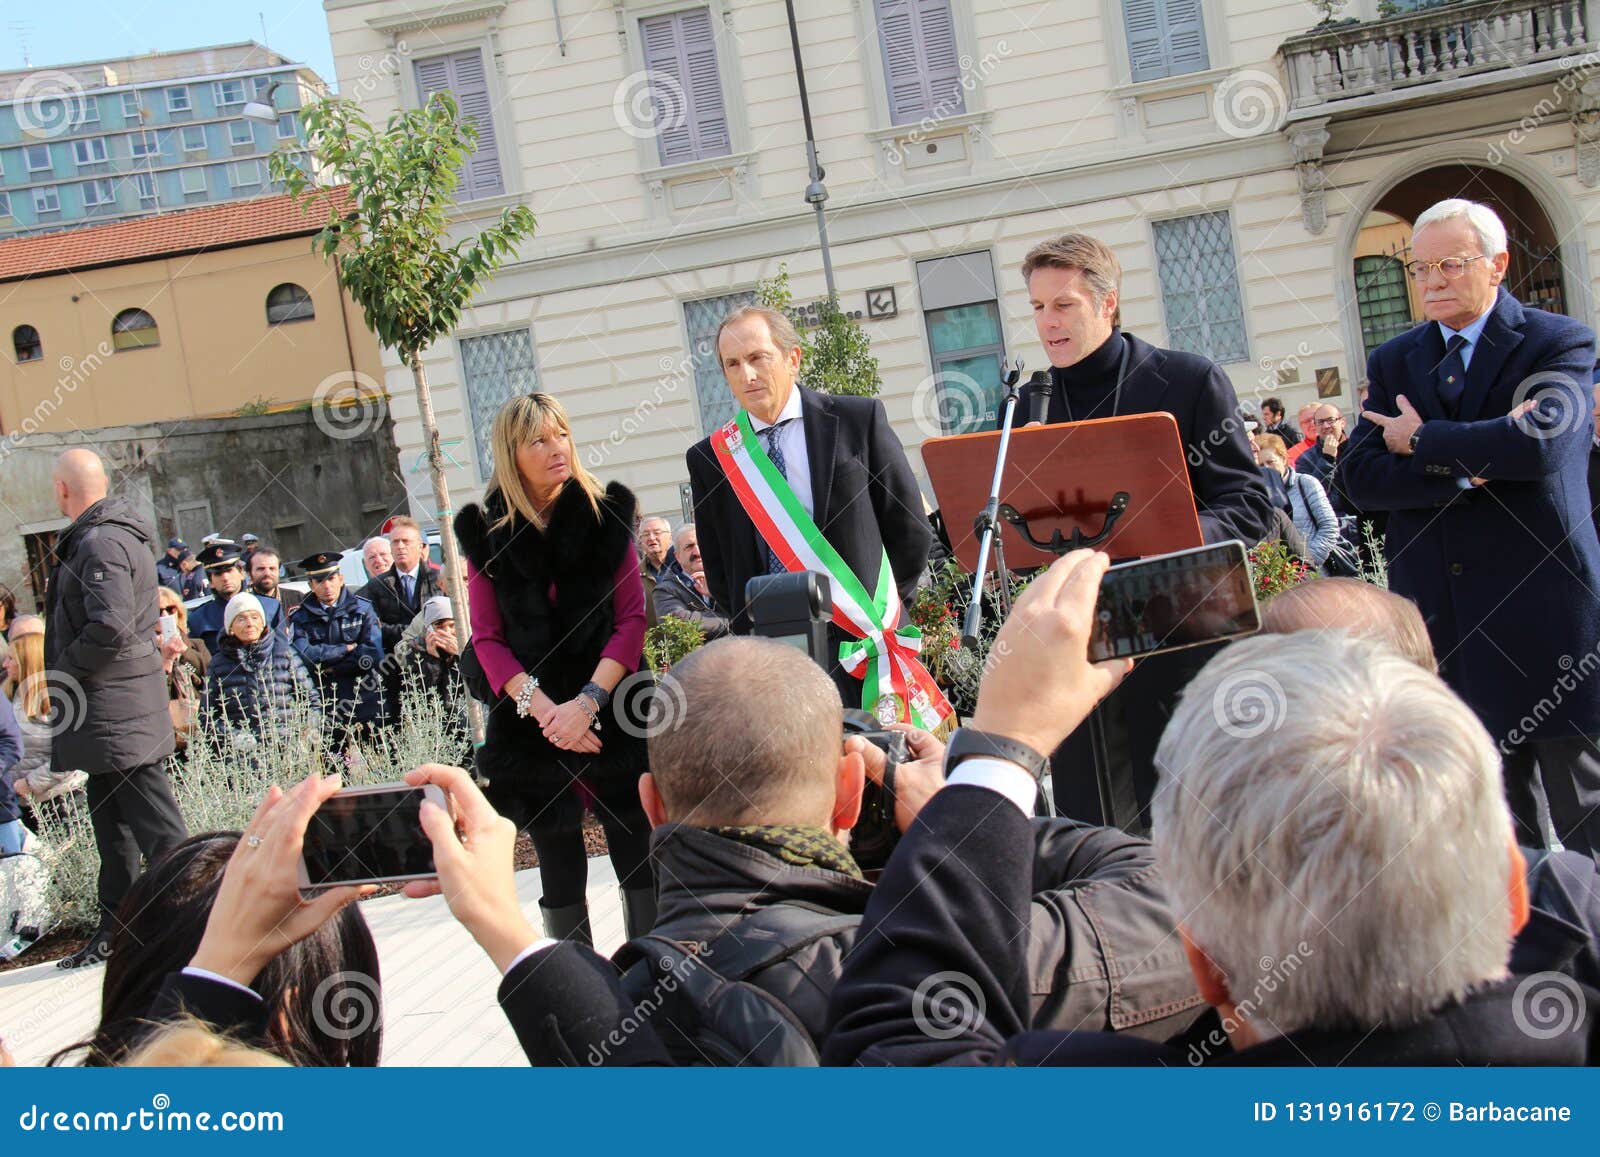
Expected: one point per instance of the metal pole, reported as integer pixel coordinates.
(816, 192)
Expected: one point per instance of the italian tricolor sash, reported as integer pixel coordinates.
(896, 687)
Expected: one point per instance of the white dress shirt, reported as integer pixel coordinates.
(792, 441)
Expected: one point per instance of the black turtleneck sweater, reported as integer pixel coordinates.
(1088, 386)
(1230, 495)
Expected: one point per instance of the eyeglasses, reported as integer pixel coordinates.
(1330, 421)
(169, 609)
(1451, 267)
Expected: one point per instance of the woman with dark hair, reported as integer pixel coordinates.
(308, 990)
(8, 609)
(558, 622)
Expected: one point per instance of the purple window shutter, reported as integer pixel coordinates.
(462, 74)
(680, 54)
(921, 63)
(941, 59)
(669, 95)
(707, 112)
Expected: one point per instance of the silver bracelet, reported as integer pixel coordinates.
(525, 697)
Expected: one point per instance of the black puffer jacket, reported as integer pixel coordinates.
(106, 679)
(253, 685)
(1103, 954)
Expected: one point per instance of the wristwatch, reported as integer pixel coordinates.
(1415, 435)
(969, 743)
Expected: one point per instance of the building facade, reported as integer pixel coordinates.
(215, 362)
(110, 139)
(1256, 175)
(203, 313)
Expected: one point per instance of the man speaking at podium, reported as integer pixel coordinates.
(1097, 371)
(806, 481)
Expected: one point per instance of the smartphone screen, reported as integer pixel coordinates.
(1170, 601)
(365, 836)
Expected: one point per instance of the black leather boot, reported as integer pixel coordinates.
(569, 923)
(638, 910)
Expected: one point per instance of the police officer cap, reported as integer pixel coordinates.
(321, 563)
(218, 556)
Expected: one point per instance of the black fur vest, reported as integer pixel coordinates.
(558, 640)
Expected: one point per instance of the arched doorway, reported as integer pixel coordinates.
(1387, 303)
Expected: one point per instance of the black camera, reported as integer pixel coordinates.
(796, 609)
(875, 834)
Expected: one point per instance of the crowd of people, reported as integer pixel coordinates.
(1333, 850)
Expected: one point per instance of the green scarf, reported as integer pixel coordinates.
(797, 844)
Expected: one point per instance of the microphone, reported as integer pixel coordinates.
(1039, 390)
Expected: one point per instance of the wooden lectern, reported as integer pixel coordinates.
(1066, 477)
(1123, 485)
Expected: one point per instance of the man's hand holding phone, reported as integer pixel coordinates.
(1040, 683)
(476, 869)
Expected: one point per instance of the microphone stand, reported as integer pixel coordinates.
(987, 524)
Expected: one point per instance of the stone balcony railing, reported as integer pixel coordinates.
(1439, 44)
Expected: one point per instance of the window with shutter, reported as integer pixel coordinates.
(921, 63)
(680, 58)
(462, 75)
(496, 368)
(1200, 287)
(1165, 38)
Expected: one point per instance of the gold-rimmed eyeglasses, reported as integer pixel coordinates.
(1451, 267)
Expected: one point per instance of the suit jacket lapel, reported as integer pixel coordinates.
(821, 426)
(1501, 334)
(1422, 362)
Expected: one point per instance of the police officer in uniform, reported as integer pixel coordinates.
(338, 636)
(225, 574)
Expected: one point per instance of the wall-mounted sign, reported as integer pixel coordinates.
(881, 303)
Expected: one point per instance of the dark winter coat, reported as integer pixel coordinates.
(1102, 952)
(106, 676)
(349, 680)
(559, 640)
(253, 685)
(1506, 573)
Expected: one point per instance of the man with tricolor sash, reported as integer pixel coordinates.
(807, 481)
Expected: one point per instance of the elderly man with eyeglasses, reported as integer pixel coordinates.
(1476, 438)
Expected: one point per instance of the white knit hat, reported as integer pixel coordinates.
(241, 602)
(436, 607)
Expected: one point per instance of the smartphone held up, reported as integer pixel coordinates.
(1167, 602)
(369, 835)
